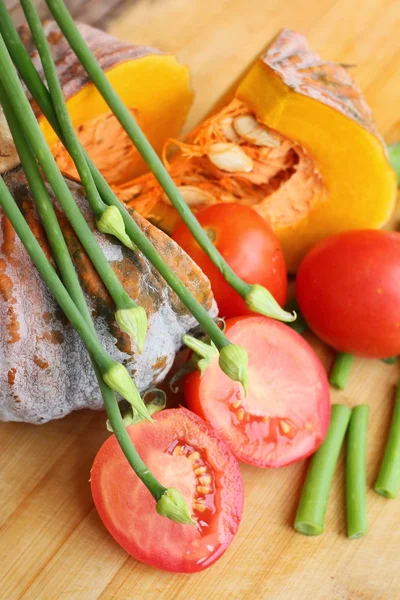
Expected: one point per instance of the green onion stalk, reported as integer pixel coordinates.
(394, 159)
(313, 503)
(108, 218)
(170, 503)
(257, 298)
(341, 369)
(130, 317)
(388, 481)
(227, 351)
(356, 473)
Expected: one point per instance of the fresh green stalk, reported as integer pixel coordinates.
(394, 159)
(340, 372)
(257, 298)
(178, 509)
(108, 219)
(356, 473)
(128, 315)
(388, 481)
(390, 360)
(41, 96)
(314, 497)
(300, 324)
(114, 374)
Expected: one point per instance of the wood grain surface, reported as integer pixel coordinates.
(52, 544)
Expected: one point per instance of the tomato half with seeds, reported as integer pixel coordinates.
(249, 246)
(181, 451)
(286, 412)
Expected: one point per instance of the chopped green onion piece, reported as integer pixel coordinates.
(356, 473)
(340, 372)
(311, 511)
(388, 481)
(394, 159)
(391, 360)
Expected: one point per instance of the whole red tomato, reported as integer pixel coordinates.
(348, 289)
(249, 246)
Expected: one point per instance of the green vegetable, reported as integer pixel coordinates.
(114, 374)
(257, 298)
(67, 270)
(31, 128)
(356, 484)
(388, 481)
(340, 372)
(394, 159)
(391, 360)
(300, 324)
(41, 96)
(314, 497)
(108, 220)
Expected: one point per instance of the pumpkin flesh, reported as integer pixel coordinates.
(329, 174)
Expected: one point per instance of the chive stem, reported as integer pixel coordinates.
(340, 371)
(388, 481)
(71, 281)
(108, 220)
(356, 473)
(111, 371)
(258, 299)
(33, 132)
(394, 159)
(311, 511)
(57, 97)
(41, 95)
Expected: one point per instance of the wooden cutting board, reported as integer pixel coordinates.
(52, 544)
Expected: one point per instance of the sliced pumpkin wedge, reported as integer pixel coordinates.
(297, 143)
(154, 86)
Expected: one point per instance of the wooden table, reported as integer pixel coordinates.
(52, 544)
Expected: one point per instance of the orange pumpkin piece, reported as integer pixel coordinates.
(153, 85)
(297, 143)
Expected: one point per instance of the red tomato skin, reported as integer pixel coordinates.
(348, 289)
(201, 401)
(249, 246)
(136, 526)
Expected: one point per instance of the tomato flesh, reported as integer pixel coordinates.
(286, 412)
(249, 246)
(348, 289)
(181, 451)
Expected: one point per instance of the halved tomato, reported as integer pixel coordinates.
(286, 412)
(181, 451)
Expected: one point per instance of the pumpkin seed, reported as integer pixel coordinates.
(226, 126)
(252, 131)
(193, 196)
(230, 157)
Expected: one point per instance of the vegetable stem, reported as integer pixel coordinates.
(41, 95)
(123, 384)
(388, 481)
(107, 221)
(311, 511)
(32, 130)
(340, 372)
(258, 299)
(356, 484)
(71, 281)
(394, 159)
